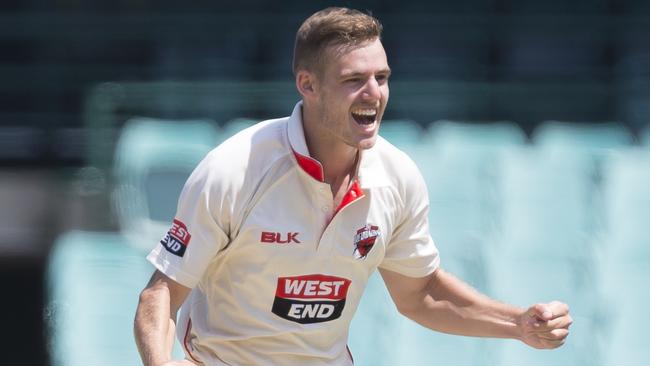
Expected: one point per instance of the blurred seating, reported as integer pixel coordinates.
(547, 204)
(458, 166)
(625, 255)
(552, 49)
(593, 139)
(632, 56)
(376, 326)
(153, 160)
(443, 100)
(273, 99)
(207, 59)
(626, 189)
(233, 126)
(530, 103)
(440, 48)
(110, 105)
(544, 249)
(446, 8)
(645, 136)
(633, 104)
(633, 7)
(419, 346)
(94, 280)
(402, 133)
(527, 281)
(627, 291)
(275, 52)
(21, 143)
(558, 7)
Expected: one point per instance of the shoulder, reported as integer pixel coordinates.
(400, 169)
(245, 156)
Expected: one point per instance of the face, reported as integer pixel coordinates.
(351, 94)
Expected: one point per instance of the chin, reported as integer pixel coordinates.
(367, 143)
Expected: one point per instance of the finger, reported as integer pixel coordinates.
(558, 308)
(554, 335)
(553, 344)
(540, 311)
(557, 323)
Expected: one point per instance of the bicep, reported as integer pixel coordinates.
(408, 293)
(160, 285)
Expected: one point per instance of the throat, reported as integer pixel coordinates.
(339, 189)
(340, 180)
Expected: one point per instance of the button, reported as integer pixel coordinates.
(325, 208)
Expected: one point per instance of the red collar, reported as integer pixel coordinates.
(310, 165)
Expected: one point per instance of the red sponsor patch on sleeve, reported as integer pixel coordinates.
(177, 238)
(180, 232)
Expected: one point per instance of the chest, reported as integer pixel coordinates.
(294, 228)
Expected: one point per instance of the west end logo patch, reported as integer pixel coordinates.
(177, 238)
(309, 299)
(364, 240)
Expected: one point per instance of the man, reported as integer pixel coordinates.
(280, 227)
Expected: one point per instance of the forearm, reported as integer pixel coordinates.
(154, 326)
(451, 306)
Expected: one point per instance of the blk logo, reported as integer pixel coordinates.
(278, 238)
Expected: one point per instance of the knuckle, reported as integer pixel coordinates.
(561, 306)
(565, 322)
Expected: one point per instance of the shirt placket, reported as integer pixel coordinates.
(352, 196)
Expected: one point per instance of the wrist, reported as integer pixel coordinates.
(519, 325)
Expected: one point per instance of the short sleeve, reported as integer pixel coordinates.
(196, 234)
(411, 250)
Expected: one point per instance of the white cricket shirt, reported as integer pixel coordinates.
(276, 271)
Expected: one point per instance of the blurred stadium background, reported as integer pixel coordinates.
(529, 120)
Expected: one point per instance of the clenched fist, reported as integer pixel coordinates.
(545, 326)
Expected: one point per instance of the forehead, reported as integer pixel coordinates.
(350, 59)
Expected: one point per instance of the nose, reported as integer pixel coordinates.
(371, 90)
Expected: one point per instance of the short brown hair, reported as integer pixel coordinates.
(331, 26)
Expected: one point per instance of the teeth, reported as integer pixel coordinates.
(365, 112)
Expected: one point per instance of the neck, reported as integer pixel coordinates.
(337, 158)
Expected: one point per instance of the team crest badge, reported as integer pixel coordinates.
(364, 240)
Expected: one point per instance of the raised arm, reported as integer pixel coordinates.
(155, 319)
(444, 303)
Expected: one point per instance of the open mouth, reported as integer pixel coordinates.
(365, 116)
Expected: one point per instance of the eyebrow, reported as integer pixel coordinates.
(386, 71)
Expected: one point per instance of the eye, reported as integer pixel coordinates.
(381, 78)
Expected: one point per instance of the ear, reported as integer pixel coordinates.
(306, 83)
